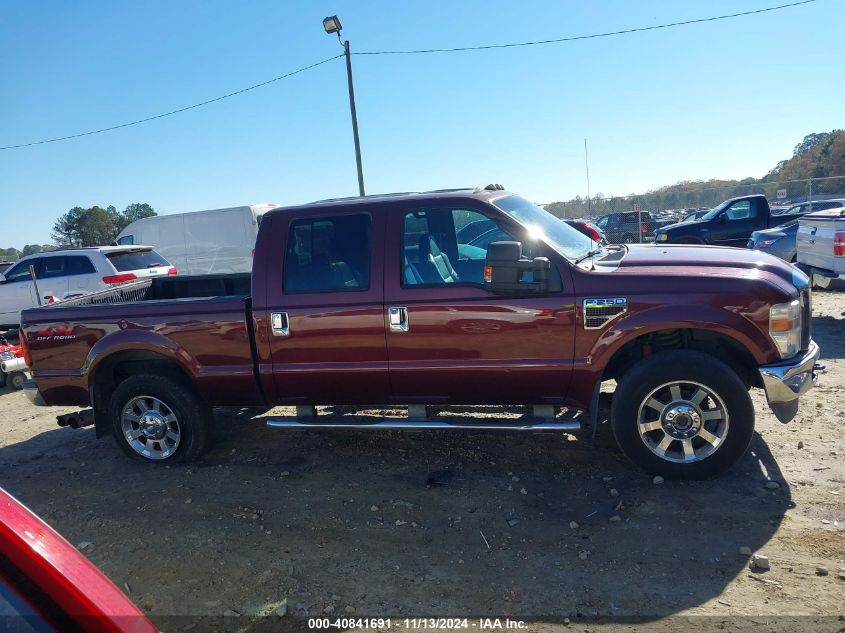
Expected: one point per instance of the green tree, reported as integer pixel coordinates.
(31, 249)
(136, 211)
(10, 254)
(66, 230)
(96, 226)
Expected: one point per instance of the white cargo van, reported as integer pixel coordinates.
(201, 242)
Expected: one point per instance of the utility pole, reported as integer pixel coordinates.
(354, 117)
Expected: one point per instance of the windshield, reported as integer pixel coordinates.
(712, 213)
(543, 225)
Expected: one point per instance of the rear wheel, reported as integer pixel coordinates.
(16, 379)
(822, 282)
(158, 418)
(682, 415)
(627, 238)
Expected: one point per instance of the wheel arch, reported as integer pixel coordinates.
(114, 368)
(722, 346)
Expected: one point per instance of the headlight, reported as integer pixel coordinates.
(785, 327)
(662, 237)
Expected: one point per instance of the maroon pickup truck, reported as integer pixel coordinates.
(454, 297)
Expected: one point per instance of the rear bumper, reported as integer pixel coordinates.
(785, 382)
(31, 390)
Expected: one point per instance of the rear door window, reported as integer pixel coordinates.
(79, 265)
(52, 267)
(328, 254)
(136, 260)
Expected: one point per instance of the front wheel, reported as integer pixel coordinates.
(682, 415)
(158, 418)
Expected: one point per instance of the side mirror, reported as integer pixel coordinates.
(723, 218)
(506, 271)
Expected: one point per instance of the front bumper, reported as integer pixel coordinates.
(786, 381)
(31, 390)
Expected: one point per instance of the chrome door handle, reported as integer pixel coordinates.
(398, 318)
(279, 323)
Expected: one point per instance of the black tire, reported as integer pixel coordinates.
(16, 379)
(694, 368)
(821, 283)
(627, 238)
(192, 416)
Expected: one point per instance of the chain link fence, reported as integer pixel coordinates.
(634, 218)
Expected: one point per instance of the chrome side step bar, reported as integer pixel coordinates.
(333, 422)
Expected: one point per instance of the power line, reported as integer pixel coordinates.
(585, 37)
(164, 114)
(408, 52)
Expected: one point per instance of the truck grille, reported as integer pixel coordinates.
(598, 312)
(805, 298)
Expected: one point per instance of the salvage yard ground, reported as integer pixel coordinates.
(536, 527)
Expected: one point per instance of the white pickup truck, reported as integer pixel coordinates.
(821, 246)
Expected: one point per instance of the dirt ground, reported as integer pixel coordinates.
(344, 524)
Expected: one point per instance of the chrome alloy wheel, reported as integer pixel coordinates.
(150, 427)
(683, 421)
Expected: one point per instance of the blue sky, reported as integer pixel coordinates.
(724, 99)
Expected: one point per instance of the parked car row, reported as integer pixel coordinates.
(629, 227)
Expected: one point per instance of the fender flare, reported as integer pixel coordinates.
(716, 320)
(136, 340)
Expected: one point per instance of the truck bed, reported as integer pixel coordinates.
(163, 288)
(815, 242)
(201, 322)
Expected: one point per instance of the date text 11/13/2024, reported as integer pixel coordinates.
(483, 624)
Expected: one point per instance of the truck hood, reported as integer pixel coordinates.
(686, 225)
(694, 261)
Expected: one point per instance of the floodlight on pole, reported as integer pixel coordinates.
(331, 25)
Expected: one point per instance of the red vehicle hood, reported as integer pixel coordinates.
(693, 261)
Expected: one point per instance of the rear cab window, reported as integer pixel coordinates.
(328, 254)
(135, 260)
